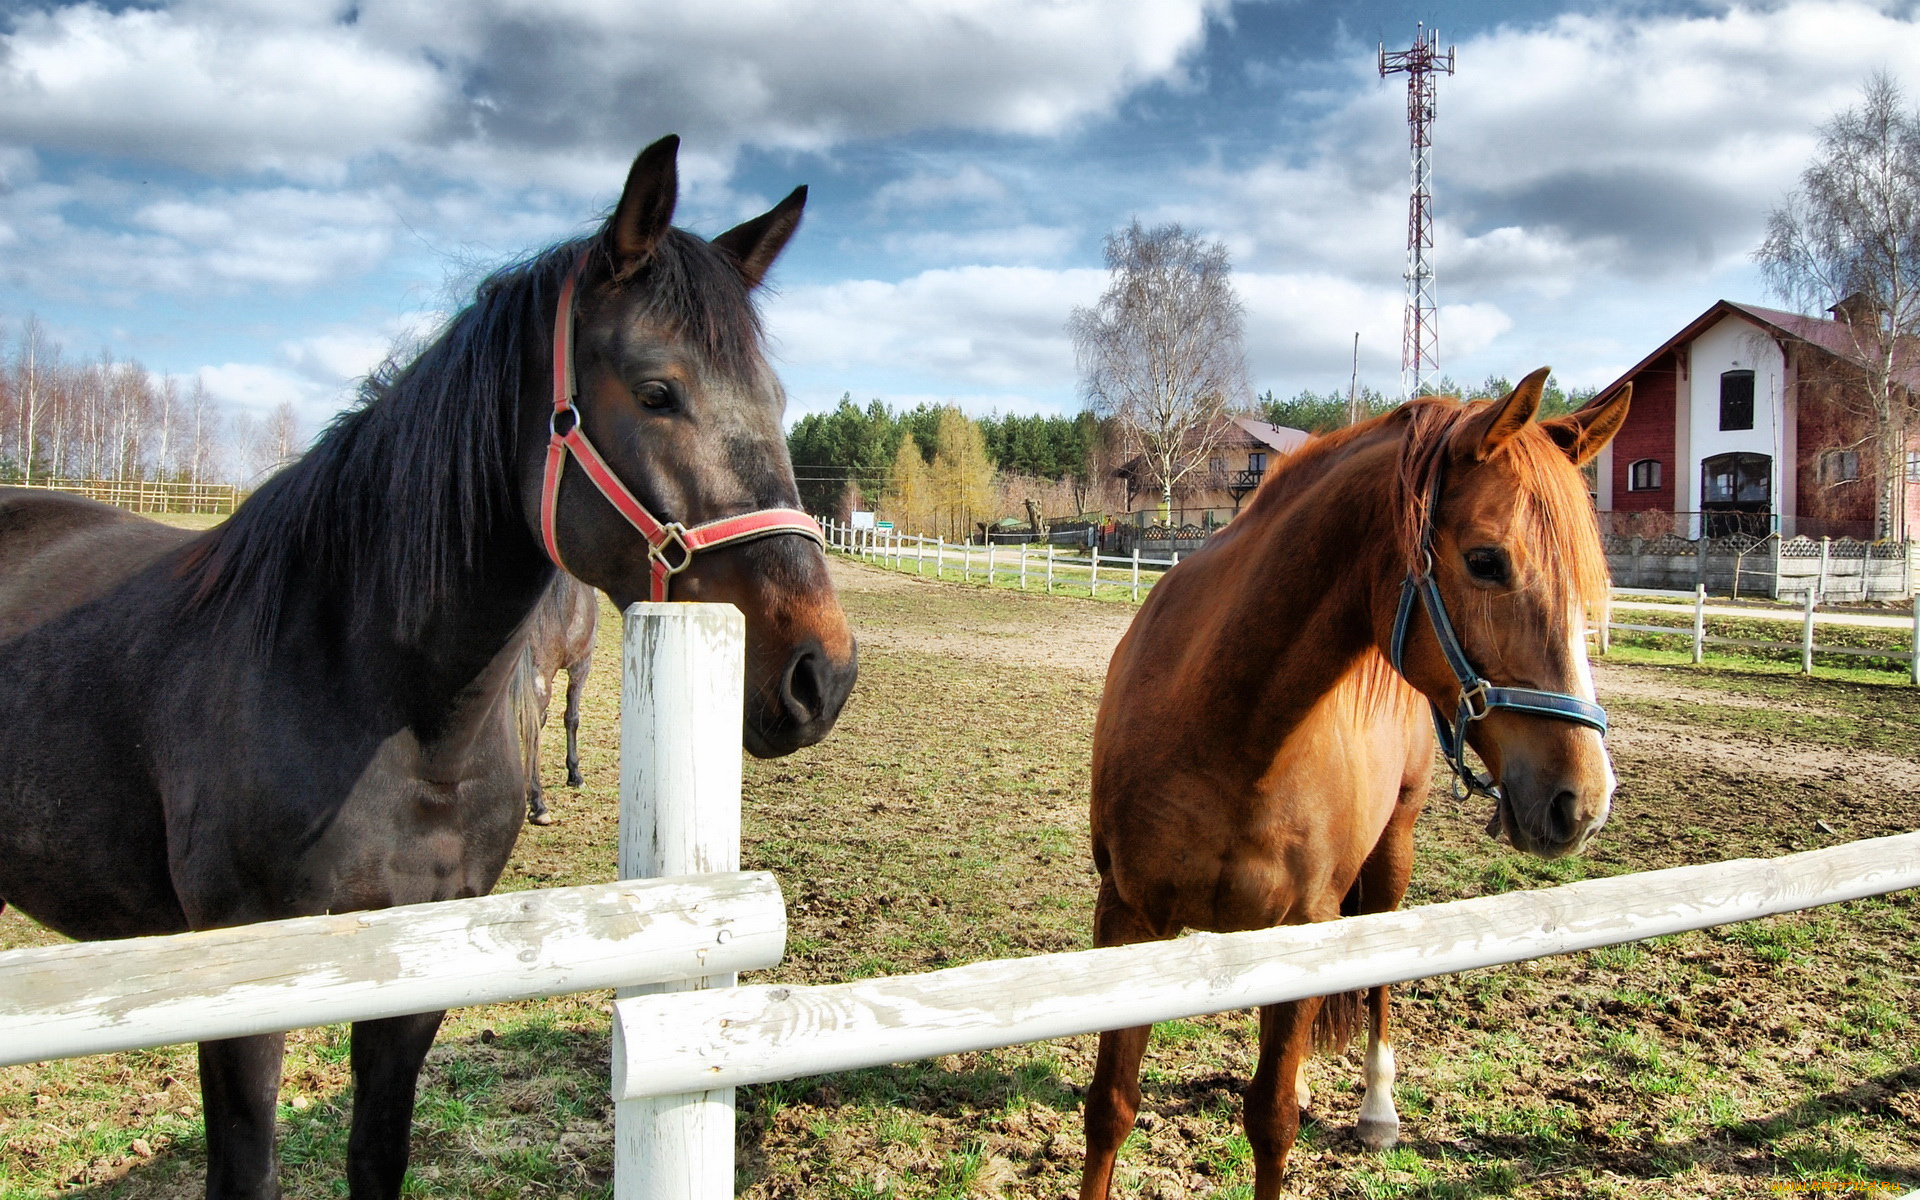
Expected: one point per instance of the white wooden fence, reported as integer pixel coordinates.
(1045, 566)
(678, 1056)
(1050, 570)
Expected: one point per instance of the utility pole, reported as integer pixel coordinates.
(1420, 333)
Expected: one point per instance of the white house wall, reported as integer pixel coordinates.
(1735, 344)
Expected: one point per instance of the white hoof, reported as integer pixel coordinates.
(1378, 1135)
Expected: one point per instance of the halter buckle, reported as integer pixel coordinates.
(1473, 699)
(672, 534)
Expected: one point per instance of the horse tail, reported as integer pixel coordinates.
(528, 714)
(1342, 1015)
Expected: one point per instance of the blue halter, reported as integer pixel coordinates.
(1477, 696)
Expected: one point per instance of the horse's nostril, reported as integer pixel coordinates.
(1562, 821)
(804, 690)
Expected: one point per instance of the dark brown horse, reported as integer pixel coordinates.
(1257, 759)
(305, 709)
(560, 636)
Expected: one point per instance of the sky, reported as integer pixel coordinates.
(271, 194)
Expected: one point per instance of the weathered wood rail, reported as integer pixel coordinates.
(761, 1034)
(100, 997)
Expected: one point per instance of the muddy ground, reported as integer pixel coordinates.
(945, 822)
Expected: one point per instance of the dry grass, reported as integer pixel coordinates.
(945, 822)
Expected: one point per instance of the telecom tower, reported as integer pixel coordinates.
(1420, 335)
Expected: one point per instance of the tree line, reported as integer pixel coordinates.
(932, 467)
(108, 418)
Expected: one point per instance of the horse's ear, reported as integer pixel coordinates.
(1582, 434)
(754, 244)
(1510, 414)
(646, 206)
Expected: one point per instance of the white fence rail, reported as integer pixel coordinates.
(760, 1034)
(100, 997)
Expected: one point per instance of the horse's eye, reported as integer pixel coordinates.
(655, 394)
(1487, 564)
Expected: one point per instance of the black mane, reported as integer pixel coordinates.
(399, 495)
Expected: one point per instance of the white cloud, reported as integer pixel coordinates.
(968, 184)
(471, 88)
(994, 327)
(212, 89)
(1020, 244)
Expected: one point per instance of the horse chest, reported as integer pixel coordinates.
(401, 839)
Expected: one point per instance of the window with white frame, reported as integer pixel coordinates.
(1644, 475)
(1913, 466)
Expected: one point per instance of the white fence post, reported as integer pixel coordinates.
(919, 555)
(966, 562)
(989, 560)
(1023, 566)
(1699, 621)
(1913, 659)
(1093, 574)
(1806, 638)
(939, 555)
(1136, 574)
(1049, 568)
(683, 683)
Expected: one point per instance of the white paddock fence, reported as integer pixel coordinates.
(1041, 568)
(1046, 569)
(678, 1055)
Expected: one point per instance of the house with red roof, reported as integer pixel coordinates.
(1743, 422)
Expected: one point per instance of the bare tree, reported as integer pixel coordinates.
(1848, 238)
(1162, 352)
(33, 367)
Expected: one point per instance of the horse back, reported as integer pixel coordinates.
(59, 551)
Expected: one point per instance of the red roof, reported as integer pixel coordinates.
(1828, 335)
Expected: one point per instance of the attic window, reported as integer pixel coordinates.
(1644, 476)
(1257, 461)
(1736, 400)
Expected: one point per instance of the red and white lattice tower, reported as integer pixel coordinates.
(1420, 335)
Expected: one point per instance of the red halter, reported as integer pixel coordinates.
(670, 545)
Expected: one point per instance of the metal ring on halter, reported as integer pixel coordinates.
(573, 421)
(1472, 692)
(671, 534)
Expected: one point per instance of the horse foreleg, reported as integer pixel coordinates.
(386, 1070)
(1383, 881)
(576, 687)
(1273, 1109)
(1113, 1097)
(1379, 1126)
(240, 1090)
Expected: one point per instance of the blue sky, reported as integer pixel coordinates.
(267, 193)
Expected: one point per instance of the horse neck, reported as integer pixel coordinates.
(1301, 585)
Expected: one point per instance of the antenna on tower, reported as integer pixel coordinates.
(1420, 334)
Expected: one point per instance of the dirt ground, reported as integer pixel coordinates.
(945, 822)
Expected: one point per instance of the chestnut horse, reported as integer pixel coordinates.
(305, 710)
(560, 636)
(1258, 760)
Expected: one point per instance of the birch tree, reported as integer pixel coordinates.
(1848, 237)
(1163, 352)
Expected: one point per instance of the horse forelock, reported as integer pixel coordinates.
(1553, 514)
(692, 289)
